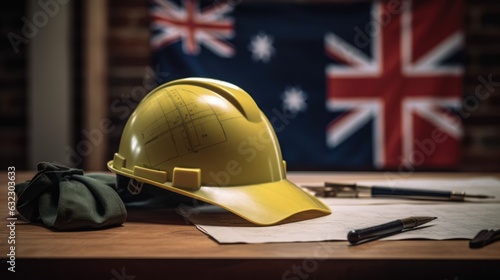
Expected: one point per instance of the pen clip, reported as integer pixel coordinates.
(334, 190)
(484, 237)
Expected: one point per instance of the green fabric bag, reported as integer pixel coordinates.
(63, 198)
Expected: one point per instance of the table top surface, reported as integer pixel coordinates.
(164, 234)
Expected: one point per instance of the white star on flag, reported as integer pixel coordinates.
(261, 47)
(294, 100)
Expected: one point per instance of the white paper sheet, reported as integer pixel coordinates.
(456, 220)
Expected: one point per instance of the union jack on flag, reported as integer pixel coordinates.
(346, 85)
(403, 86)
(194, 27)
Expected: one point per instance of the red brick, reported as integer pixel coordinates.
(129, 40)
(479, 164)
(490, 59)
(118, 21)
(117, 61)
(478, 39)
(472, 78)
(121, 81)
(128, 3)
(490, 18)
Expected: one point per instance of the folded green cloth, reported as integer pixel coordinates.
(64, 198)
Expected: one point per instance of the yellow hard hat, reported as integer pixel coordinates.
(208, 140)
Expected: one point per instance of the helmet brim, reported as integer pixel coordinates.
(262, 204)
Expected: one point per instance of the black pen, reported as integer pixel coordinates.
(378, 231)
(331, 189)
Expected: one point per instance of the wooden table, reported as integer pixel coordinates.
(160, 244)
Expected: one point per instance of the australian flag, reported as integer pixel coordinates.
(364, 86)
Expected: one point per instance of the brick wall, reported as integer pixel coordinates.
(481, 145)
(129, 60)
(130, 70)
